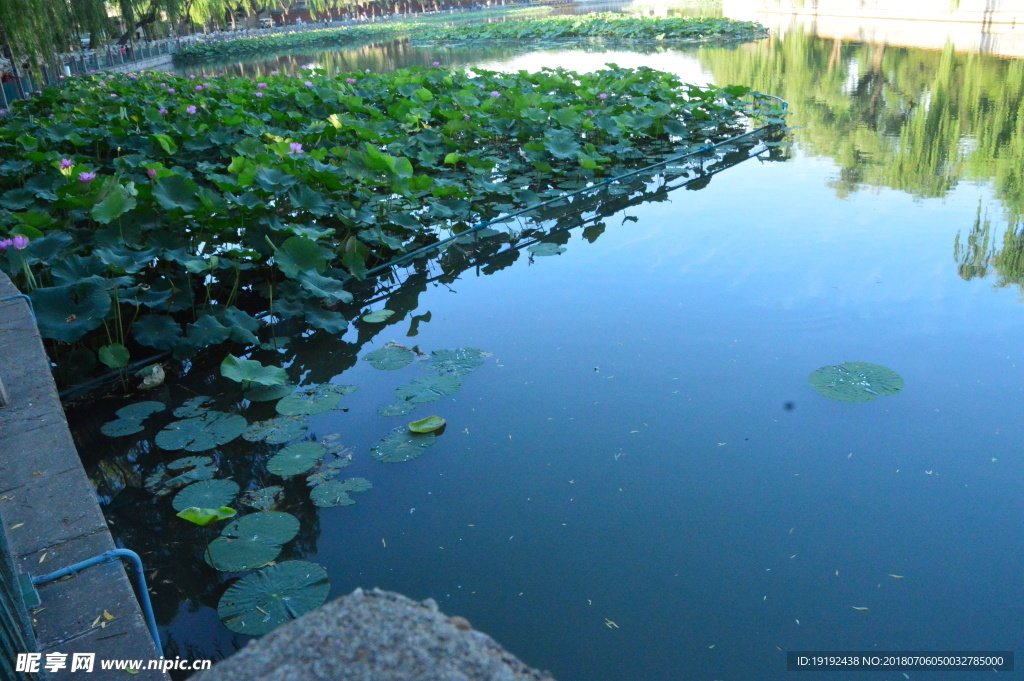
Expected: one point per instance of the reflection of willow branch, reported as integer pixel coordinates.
(974, 258)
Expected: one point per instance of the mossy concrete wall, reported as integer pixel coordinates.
(50, 514)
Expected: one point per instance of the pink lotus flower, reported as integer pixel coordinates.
(190, 109)
(20, 242)
(259, 94)
(295, 147)
(151, 173)
(274, 73)
(113, 94)
(66, 163)
(192, 77)
(603, 95)
(4, 243)
(367, 70)
(495, 93)
(171, 90)
(350, 81)
(308, 83)
(437, 63)
(86, 177)
(163, 112)
(199, 88)
(261, 86)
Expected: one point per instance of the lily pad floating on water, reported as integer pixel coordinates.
(204, 516)
(259, 603)
(327, 471)
(161, 483)
(400, 445)
(428, 388)
(268, 393)
(276, 431)
(252, 541)
(200, 433)
(378, 316)
(193, 407)
(140, 410)
(390, 357)
(330, 494)
(206, 494)
(855, 381)
(121, 427)
(545, 248)
(458, 362)
(314, 400)
(400, 408)
(296, 459)
(427, 425)
(263, 499)
(250, 372)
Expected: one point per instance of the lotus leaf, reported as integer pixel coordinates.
(545, 248)
(252, 541)
(259, 603)
(159, 482)
(121, 427)
(356, 485)
(201, 433)
(428, 388)
(250, 371)
(296, 459)
(378, 316)
(330, 493)
(400, 445)
(327, 471)
(299, 254)
(855, 381)
(157, 331)
(276, 431)
(66, 313)
(140, 410)
(458, 362)
(278, 343)
(264, 499)
(114, 355)
(400, 408)
(192, 407)
(328, 320)
(313, 400)
(189, 462)
(390, 358)
(206, 494)
(427, 425)
(267, 393)
(320, 286)
(205, 516)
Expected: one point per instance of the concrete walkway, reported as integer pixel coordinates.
(49, 511)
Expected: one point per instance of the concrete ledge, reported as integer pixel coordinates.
(49, 512)
(374, 636)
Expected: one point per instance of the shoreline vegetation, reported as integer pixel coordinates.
(608, 26)
(150, 212)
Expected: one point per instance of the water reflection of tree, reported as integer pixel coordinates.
(910, 119)
(978, 255)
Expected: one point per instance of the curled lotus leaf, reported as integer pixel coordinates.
(121, 427)
(458, 362)
(140, 410)
(400, 445)
(251, 372)
(296, 459)
(259, 603)
(855, 382)
(276, 431)
(263, 499)
(428, 388)
(427, 425)
(206, 494)
(201, 433)
(390, 358)
(204, 516)
(330, 493)
(252, 541)
(268, 393)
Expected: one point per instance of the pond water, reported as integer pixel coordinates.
(642, 445)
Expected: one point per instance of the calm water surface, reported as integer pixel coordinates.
(643, 445)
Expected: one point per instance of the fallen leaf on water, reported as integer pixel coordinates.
(711, 646)
(262, 610)
(384, 542)
(14, 527)
(896, 576)
(107, 616)
(837, 573)
(97, 620)
(43, 557)
(857, 608)
(611, 625)
(798, 621)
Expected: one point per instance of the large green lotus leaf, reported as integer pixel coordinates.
(264, 498)
(313, 400)
(356, 485)
(243, 326)
(328, 320)
(160, 482)
(267, 393)
(189, 462)
(855, 381)
(116, 202)
(259, 603)
(204, 516)
(326, 471)
(400, 445)
(278, 430)
(296, 459)
(175, 191)
(252, 541)
(140, 410)
(299, 254)
(66, 313)
(458, 362)
(74, 268)
(562, 144)
(121, 427)
(390, 358)
(206, 494)
(201, 433)
(206, 331)
(250, 371)
(378, 316)
(330, 493)
(428, 388)
(329, 289)
(192, 407)
(427, 425)
(157, 331)
(400, 408)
